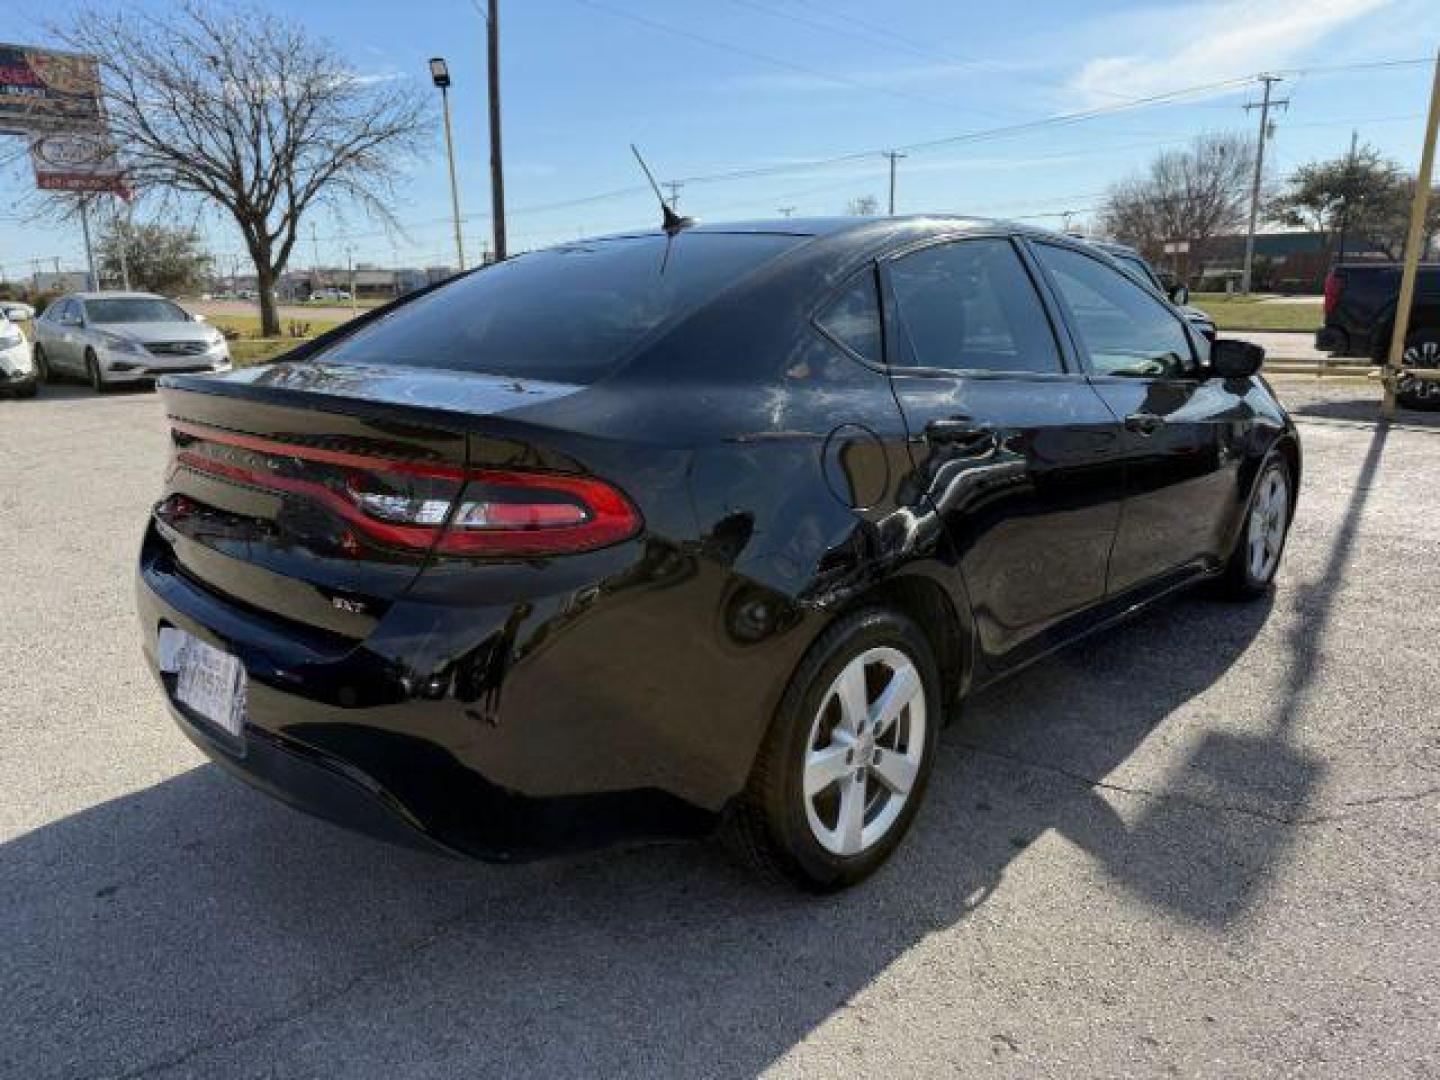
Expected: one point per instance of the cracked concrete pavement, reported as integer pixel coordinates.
(1204, 844)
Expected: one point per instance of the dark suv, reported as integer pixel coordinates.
(1360, 304)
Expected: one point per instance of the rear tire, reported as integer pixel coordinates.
(1253, 564)
(844, 766)
(1422, 350)
(96, 376)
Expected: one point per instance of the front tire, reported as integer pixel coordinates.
(1256, 558)
(1422, 350)
(844, 766)
(96, 376)
(42, 366)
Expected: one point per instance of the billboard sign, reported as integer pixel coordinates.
(47, 90)
(75, 161)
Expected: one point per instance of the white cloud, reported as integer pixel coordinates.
(1194, 44)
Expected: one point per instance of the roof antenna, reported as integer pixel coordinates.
(672, 222)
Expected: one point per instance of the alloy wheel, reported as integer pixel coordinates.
(1268, 518)
(1420, 354)
(864, 752)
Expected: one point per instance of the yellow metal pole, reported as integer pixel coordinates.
(1412, 247)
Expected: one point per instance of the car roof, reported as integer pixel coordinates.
(874, 234)
(839, 226)
(1111, 247)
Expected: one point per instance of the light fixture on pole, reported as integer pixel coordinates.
(440, 76)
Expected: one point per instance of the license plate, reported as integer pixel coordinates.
(208, 680)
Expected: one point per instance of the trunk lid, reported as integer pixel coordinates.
(316, 492)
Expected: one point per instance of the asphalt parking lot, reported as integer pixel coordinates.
(1207, 844)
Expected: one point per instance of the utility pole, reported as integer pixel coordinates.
(123, 235)
(893, 155)
(315, 283)
(497, 170)
(1349, 191)
(1264, 107)
(674, 186)
(1414, 238)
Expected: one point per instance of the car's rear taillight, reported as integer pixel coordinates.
(417, 506)
(1334, 286)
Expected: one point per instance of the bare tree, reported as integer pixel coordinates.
(249, 111)
(863, 206)
(1190, 195)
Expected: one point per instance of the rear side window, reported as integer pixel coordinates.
(971, 306)
(853, 319)
(1126, 330)
(567, 314)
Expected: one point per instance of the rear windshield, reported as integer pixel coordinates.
(566, 314)
(139, 310)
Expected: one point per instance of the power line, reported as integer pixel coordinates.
(766, 58)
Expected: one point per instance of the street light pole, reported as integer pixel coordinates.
(440, 76)
(92, 279)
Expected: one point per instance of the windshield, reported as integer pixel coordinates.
(134, 310)
(566, 314)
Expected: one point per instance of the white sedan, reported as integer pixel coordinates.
(17, 366)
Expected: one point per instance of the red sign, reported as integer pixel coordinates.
(76, 161)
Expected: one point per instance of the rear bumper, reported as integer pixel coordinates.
(341, 731)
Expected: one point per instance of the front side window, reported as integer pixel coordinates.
(853, 319)
(1125, 329)
(970, 306)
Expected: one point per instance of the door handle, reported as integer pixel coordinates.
(960, 431)
(1144, 423)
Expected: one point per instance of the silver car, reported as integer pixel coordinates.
(120, 337)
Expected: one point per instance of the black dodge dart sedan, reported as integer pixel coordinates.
(701, 530)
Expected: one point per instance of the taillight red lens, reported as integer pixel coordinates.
(537, 512)
(419, 505)
(1334, 286)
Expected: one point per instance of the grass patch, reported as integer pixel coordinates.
(247, 351)
(1249, 313)
(248, 326)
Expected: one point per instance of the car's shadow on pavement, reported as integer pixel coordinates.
(200, 925)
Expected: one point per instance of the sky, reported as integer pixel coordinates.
(740, 99)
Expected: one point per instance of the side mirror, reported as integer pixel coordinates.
(1179, 295)
(1232, 359)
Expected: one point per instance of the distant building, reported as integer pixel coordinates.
(1286, 262)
